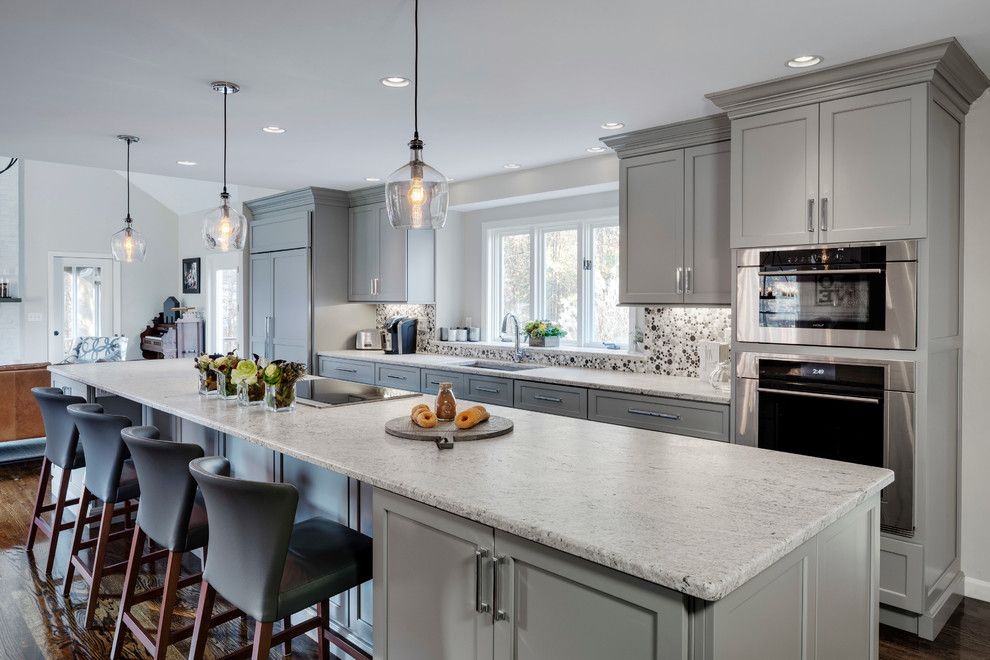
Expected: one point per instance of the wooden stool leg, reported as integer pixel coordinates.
(204, 612)
(46, 471)
(173, 567)
(84, 501)
(63, 490)
(130, 583)
(99, 558)
(262, 641)
(287, 646)
(323, 645)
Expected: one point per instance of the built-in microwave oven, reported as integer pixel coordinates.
(859, 295)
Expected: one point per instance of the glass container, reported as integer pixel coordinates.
(226, 389)
(280, 397)
(207, 382)
(250, 394)
(446, 403)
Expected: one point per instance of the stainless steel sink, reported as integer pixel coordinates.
(500, 366)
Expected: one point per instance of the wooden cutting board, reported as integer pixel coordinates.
(403, 427)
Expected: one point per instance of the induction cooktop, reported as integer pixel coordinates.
(326, 392)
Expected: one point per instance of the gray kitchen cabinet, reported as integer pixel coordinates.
(248, 460)
(403, 378)
(343, 369)
(284, 229)
(774, 184)
(431, 379)
(489, 389)
(388, 265)
(554, 399)
(694, 418)
(262, 299)
(280, 305)
(674, 213)
(360, 600)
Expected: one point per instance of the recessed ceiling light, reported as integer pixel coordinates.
(372, 179)
(187, 163)
(613, 125)
(450, 178)
(595, 150)
(273, 129)
(802, 61)
(395, 81)
(512, 166)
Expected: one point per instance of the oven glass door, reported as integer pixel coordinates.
(854, 299)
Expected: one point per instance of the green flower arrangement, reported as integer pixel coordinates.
(224, 367)
(207, 377)
(280, 384)
(544, 333)
(248, 377)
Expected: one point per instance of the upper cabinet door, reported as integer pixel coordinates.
(651, 229)
(874, 166)
(774, 198)
(707, 258)
(364, 252)
(391, 285)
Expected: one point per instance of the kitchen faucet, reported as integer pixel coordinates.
(519, 352)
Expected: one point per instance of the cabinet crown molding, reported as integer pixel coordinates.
(370, 195)
(297, 198)
(944, 64)
(680, 135)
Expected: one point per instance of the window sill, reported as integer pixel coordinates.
(582, 350)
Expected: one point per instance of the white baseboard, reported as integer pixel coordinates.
(978, 589)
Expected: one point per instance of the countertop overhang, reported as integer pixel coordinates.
(692, 515)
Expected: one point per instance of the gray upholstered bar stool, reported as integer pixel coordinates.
(110, 478)
(172, 514)
(62, 450)
(269, 567)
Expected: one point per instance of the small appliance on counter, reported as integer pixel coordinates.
(400, 335)
(368, 340)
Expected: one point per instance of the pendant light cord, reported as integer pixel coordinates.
(128, 182)
(416, 71)
(226, 93)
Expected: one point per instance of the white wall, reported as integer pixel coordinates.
(976, 354)
(76, 209)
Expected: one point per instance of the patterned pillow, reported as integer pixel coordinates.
(98, 349)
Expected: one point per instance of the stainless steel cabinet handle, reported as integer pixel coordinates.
(393, 376)
(652, 413)
(492, 390)
(811, 214)
(824, 225)
(830, 271)
(480, 606)
(350, 371)
(820, 395)
(688, 284)
(269, 337)
(678, 275)
(551, 399)
(497, 562)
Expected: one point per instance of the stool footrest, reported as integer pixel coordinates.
(278, 638)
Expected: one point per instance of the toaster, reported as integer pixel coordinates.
(368, 340)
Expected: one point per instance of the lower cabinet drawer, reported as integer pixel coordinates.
(484, 389)
(694, 418)
(342, 369)
(902, 574)
(404, 378)
(431, 378)
(553, 399)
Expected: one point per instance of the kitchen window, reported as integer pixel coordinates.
(567, 272)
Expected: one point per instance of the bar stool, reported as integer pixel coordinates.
(111, 479)
(269, 567)
(62, 450)
(171, 513)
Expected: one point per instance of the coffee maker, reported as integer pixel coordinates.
(400, 335)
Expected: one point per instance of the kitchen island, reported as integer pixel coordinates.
(565, 538)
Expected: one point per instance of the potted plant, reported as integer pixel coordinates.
(249, 379)
(544, 334)
(280, 384)
(223, 367)
(207, 377)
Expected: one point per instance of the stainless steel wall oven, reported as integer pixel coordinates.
(860, 295)
(858, 411)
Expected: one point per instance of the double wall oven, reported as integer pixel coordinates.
(858, 411)
(857, 295)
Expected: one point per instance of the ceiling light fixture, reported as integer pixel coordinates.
(224, 228)
(186, 163)
(277, 130)
(127, 245)
(416, 194)
(372, 179)
(595, 150)
(512, 166)
(802, 61)
(613, 125)
(395, 81)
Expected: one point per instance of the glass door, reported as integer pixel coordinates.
(81, 302)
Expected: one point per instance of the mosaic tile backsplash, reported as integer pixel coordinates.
(670, 341)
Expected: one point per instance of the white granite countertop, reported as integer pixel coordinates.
(693, 515)
(674, 387)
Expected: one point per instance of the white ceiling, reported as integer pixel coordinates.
(525, 81)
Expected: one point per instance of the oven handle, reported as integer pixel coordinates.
(835, 271)
(819, 395)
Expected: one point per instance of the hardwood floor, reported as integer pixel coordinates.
(37, 622)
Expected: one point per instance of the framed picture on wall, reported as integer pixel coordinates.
(190, 275)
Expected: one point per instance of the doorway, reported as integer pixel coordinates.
(83, 300)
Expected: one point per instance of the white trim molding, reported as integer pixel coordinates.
(978, 589)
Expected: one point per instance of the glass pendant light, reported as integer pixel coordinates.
(416, 194)
(224, 228)
(128, 245)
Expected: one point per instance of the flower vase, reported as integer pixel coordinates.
(280, 397)
(544, 342)
(207, 382)
(250, 395)
(226, 389)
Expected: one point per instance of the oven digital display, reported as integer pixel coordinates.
(817, 371)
